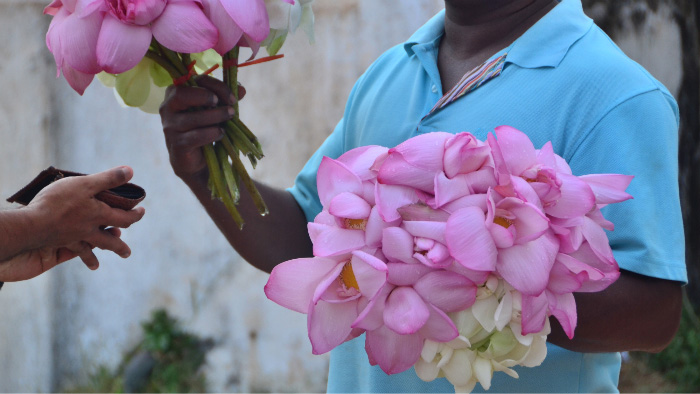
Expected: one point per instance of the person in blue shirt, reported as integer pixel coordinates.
(559, 79)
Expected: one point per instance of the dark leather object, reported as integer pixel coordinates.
(125, 197)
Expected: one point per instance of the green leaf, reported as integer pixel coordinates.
(276, 43)
(134, 85)
(107, 79)
(160, 77)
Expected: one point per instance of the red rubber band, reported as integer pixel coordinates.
(183, 79)
(261, 60)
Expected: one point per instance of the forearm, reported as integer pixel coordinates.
(636, 313)
(20, 231)
(265, 241)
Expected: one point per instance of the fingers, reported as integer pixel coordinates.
(81, 249)
(119, 218)
(182, 98)
(195, 139)
(107, 241)
(219, 88)
(185, 121)
(104, 180)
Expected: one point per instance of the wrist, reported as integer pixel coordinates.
(19, 232)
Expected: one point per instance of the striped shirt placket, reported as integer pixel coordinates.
(472, 80)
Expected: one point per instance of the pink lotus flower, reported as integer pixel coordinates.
(445, 214)
(75, 56)
(239, 22)
(561, 194)
(399, 318)
(512, 238)
(89, 36)
(349, 219)
(415, 162)
(331, 291)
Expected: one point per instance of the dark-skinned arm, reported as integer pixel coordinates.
(636, 313)
(191, 118)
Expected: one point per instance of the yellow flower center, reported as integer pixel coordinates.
(501, 221)
(355, 224)
(347, 276)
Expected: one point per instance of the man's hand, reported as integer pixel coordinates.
(35, 262)
(67, 212)
(191, 118)
(64, 221)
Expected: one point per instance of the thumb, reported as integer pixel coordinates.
(109, 179)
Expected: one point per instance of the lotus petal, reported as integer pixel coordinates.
(608, 188)
(405, 311)
(526, 267)
(576, 198)
(329, 325)
(120, 47)
(393, 353)
(349, 205)
(293, 283)
(448, 291)
(516, 148)
(333, 178)
(183, 27)
(250, 15)
(469, 241)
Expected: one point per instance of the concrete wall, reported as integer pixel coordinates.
(56, 329)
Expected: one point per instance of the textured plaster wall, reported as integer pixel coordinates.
(56, 329)
(25, 149)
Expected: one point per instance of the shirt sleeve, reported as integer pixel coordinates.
(304, 189)
(639, 137)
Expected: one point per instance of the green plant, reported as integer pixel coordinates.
(680, 361)
(178, 355)
(173, 364)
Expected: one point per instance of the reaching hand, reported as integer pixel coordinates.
(64, 221)
(191, 117)
(35, 262)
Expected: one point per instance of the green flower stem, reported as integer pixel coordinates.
(243, 143)
(173, 57)
(249, 134)
(215, 173)
(247, 181)
(223, 176)
(231, 75)
(229, 175)
(163, 62)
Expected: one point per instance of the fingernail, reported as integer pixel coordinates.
(232, 98)
(125, 170)
(231, 111)
(214, 101)
(125, 254)
(221, 135)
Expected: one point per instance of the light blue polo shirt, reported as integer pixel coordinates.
(564, 81)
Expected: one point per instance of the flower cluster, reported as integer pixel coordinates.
(87, 37)
(450, 253)
(139, 47)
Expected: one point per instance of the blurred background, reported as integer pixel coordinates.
(185, 312)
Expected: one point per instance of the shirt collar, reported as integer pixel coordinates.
(544, 45)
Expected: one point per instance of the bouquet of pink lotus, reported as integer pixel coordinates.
(450, 254)
(141, 46)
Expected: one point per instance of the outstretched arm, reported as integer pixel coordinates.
(63, 221)
(191, 118)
